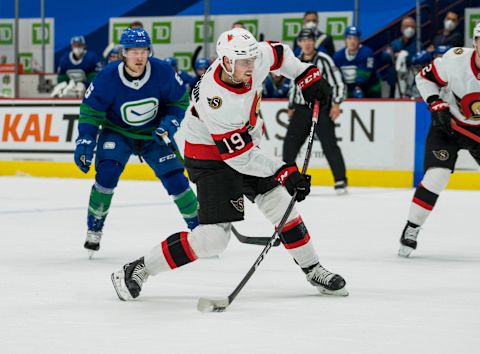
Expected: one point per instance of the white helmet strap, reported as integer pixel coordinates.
(230, 73)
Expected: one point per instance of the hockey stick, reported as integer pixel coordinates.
(195, 54)
(251, 240)
(464, 131)
(221, 304)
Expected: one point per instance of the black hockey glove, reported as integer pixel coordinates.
(289, 176)
(314, 87)
(441, 116)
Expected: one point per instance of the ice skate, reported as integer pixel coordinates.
(341, 187)
(128, 281)
(92, 243)
(326, 282)
(408, 240)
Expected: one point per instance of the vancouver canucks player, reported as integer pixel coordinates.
(131, 105)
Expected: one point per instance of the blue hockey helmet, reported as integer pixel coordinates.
(135, 38)
(202, 64)
(421, 58)
(440, 50)
(353, 31)
(172, 61)
(79, 40)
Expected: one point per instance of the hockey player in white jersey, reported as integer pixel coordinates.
(451, 87)
(223, 159)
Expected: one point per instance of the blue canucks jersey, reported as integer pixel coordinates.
(358, 71)
(134, 108)
(84, 69)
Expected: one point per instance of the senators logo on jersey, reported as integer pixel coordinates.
(215, 102)
(469, 105)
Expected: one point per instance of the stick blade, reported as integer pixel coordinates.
(212, 305)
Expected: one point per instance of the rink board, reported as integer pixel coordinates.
(381, 140)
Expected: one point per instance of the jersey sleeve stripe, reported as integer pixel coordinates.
(277, 49)
(233, 143)
(202, 151)
(433, 76)
(228, 135)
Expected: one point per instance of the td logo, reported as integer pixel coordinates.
(6, 33)
(118, 29)
(37, 33)
(474, 19)
(251, 26)
(291, 27)
(199, 32)
(161, 32)
(336, 27)
(184, 60)
(26, 60)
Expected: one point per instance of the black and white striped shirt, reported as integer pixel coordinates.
(329, 71)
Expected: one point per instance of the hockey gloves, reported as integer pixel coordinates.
(314, 87)
(289, 176)
(84, 152)
(441, 116)
(168, 126)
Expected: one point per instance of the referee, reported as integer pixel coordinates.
(300, 115)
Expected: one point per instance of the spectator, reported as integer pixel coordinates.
(398, 57)
(323, 41)
(275, 86)
(76, 70)
(448, 36)
(357, 65)
(300, 114)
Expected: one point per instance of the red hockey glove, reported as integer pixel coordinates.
(314, 87)
(289, 176)
(441, 115)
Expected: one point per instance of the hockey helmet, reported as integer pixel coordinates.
(306, 33)
(421, 58)
(440, 50)
(172, 61)
(202, 64)
(135, 38)
(235, 44)
(78, 40)
(353, 31)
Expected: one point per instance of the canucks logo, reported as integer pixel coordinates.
(215, 102)
(137, 113)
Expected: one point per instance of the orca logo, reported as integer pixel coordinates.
(441, 155)
(238, 204)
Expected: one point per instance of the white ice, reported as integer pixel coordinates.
(54, 300)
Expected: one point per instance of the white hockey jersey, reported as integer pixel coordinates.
(222, 122)
(456, 79)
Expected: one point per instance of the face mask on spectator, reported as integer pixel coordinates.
(311, 25)
(409, 32)
(449, 25)
(77, 51)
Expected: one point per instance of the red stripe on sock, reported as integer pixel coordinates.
(422, 204)
(299, 243)
(292, 223)
(186, 246)
(167, 255)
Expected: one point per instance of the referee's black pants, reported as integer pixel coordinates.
(298, 131)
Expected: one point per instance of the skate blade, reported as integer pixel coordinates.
(339, 292)
(342, 191)
(118, 282)
(212, 305)
(405, 251)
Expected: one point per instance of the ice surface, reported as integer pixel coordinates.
(54, 300)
